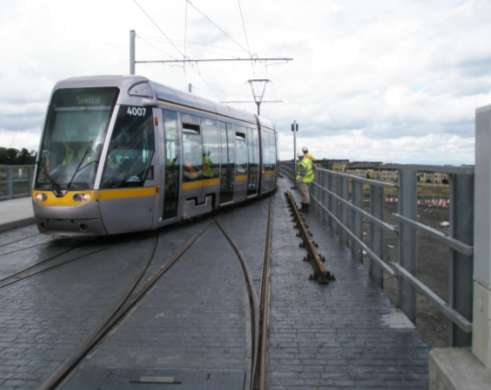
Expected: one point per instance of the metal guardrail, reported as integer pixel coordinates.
(338, 199)
(15, 181)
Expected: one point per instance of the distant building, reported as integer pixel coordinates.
(334, 165)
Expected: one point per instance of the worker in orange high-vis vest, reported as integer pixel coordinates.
(305, 176)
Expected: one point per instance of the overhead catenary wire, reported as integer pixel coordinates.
(218, 27)
(154, 46)
(158, 28)
(246, 36)
(244, 28)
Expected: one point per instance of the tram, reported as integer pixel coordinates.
(122, 154)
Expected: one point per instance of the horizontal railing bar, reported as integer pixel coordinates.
(466, 170)
(360, 242)
(373, 182)
(449, 241)
(443, 306)
(385, 225)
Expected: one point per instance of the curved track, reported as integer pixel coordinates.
(130, 299)
(259, 311)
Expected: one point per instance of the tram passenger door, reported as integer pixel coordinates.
(253, 167)
(171, 176)
(241, 169)
(227, 162)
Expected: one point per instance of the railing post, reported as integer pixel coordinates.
(335, 203)
(344, 209)
(356, 192)
(322, 195)
(329, 199)
(407, 238)
(10, 183)
(461, 266)
(376, 235)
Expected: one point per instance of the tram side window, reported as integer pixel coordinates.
(269, 150)
(192, 153)
(131, 148)
(241, 154)
(171, 194)
(211, 150)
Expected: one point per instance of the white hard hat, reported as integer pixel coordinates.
(299, 155)
(305, 149)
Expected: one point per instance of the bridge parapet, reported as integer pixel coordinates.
(339, 199)
(15, 181)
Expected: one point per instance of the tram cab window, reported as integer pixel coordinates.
(192, 155)
(72, 141)
(131, 149)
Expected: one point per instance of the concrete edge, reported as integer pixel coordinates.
(16, 224)
(457, 369)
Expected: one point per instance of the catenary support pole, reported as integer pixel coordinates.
(132, 51)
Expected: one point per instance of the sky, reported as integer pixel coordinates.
(382, 80)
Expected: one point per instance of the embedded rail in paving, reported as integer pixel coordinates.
(321, 274)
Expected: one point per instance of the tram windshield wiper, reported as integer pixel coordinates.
(79, 166)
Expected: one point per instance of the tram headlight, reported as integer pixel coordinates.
(81, 197)
(40, 197)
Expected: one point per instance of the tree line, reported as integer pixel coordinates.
(13, 156)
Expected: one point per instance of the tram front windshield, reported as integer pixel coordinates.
(73, 138)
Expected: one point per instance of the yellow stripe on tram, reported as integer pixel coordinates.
(123, 193)
(240, 178)
(78, 198)
(196, 184)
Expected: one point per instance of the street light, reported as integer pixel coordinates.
(295, 131)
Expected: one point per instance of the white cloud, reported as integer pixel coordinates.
(369, 78)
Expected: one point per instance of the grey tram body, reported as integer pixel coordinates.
(122, 214)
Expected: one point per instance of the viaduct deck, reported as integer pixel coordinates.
(192, 329)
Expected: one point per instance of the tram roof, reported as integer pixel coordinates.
(162, 92)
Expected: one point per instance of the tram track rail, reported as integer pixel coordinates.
(44, 266)
(259, 308)
(24, 248)
(130, 299)
(3, 244)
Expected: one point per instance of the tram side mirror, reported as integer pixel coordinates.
(150, 102)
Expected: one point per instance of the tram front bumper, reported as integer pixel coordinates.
(73, 219)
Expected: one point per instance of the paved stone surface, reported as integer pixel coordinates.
(196, 319)
(15, 213)
(345, 335)
(247, 226)
(45, 319)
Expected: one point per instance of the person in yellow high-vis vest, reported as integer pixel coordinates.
(305, 176)
(306, 154)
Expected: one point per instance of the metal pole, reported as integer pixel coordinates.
(10, 183)
(295, 131)
(356, 220)
(376, 234)
(407, 239)
(258, 104)
(344, 209)
(460, 266)
(132, 51)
